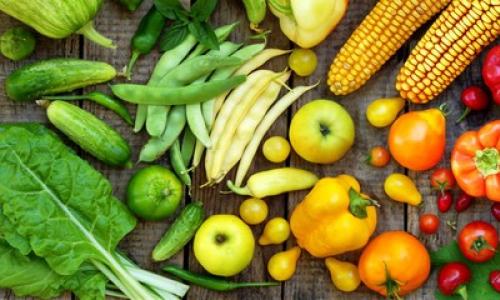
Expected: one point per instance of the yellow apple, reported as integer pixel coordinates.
(322, 131)
(224, 245)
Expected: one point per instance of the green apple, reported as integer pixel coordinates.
(224, 245)
(322, 131)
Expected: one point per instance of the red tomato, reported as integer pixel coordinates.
(444, 201)
(495, 280)
(495, 210)
(442, 179)
(478, 241)
(379, 157)
(429, 223)
(452, 279)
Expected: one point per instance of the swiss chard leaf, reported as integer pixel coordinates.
(57, 201)
(174, 35)
(479, 287)
(9, 234)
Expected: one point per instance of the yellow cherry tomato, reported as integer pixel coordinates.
(276, 231)
(282, 265)
(401, 188)
(344, 275)
(276, 149)
(382, 112)
(303, 62)
(253, 211)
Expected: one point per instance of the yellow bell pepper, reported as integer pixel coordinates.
(308, 22)
(334, 217)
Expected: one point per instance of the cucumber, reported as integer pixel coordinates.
(90, 133)
(53, 76)
(180, 233)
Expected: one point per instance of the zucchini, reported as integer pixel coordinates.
(180, 233)
(90, 133)
(53, 76)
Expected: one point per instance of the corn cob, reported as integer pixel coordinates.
(453, 41)
(378, 37)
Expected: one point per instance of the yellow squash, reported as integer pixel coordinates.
(344, 275)
(282, 265)
(334, 217)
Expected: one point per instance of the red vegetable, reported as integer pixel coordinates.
(491, 72)
(444, 201)
(442, 179)
(495, 210)
(463, 202)
(452, 279)
(495, 280)
(429, 223)
(478, 241)
(474, 98)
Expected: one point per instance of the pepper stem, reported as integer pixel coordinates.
(463, 115)
(89, 32)
(462, 291)
(487, 161)
(131, 64)
(244, 191)
(358, 204)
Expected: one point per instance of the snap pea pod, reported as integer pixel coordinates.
(178, 163)
(142, 94)
(107, 101)
(157, 146)
(146, 36)
(157, 117)
(187, 146)
(131, 5)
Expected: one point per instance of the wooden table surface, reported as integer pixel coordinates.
(311, 281)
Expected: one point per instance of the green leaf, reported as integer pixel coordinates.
(205, 34)
(203, 9)
(174, 35)
(479, 287)
(9, 233)
(169, 8)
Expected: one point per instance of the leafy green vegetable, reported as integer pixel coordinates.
(479, 287)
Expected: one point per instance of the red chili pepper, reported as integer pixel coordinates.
(452, 279)
(495, 280)
(444, 201)
(463, 202)
(491, 72)
(495, 210)
(474, 98)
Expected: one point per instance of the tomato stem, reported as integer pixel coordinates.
(481, 244)
(391, 285)
(487, 161)
(445, 110)
(463, 115)
(462, 291)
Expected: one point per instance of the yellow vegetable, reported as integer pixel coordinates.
(303, 62)
(276, 149)
(401, 188)
(344, 275)
(460, 33)
(308, 22)
(380, 35)
(282, 265)
(276, 231)
(253, 211)
(334, 217)
(382, 112)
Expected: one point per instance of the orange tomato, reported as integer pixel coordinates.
(394, 263)
(417, 139)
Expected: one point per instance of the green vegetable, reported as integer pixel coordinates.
(478, 287)
(131, 5)
(58, 19)
(154, 193)
(72, 220)
(102, 99)
(187, 146)
(256, 12)
(145, 37)
(17, 43)
(211, 282)
(53, 76)
(178, 163)
(180, 232)
(143, 94)
(89, 132)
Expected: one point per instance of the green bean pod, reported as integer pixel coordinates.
(178, 163)
(131, 5)
(187, 146)
(142, 94)
(256, 12)
(102, 99)
(157, 119)
(146, 37)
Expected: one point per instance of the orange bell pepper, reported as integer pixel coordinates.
(475, 161)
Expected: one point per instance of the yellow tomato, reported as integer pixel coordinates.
(303, 62)
(276, 149)
(382, 112)
(253, 211)
(401, 188)
(277, 231)
(282, 265)
(344, 275)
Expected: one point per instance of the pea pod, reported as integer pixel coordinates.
(188, 145)
(256, 12)
(178, 163)
(180, 233)
(275, 182)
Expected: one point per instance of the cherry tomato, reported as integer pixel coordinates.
(253, 211)
(379, 157)
(303, 62)
(452, 279)
(474, 98)
(478, 241)
(276, 149)
(429, 223)
(464, 201)
(444, 201)
(442, 179)
(495, 210)
(494, 279)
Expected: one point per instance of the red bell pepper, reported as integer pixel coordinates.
(491, 72)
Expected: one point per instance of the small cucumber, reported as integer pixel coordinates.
(180, 233)
(53, 76)
(89, 132)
